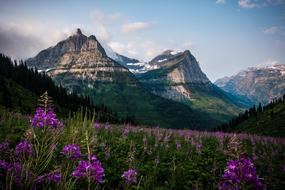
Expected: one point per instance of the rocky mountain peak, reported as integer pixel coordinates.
(78, 56)
(78, 31)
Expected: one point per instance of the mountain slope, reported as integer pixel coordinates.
(180, 78)
(81, 65)
(256, 84)
(21, 87)
(268, 121)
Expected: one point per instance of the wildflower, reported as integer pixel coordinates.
(198, 147)
(81, 170)
(125, 131)
(71, 151)
(178, 145)
(53, 147)
(23, 148)
(130, 176)
(4, 165)
(97, 171)
(107, 126)
(93, 167)
(54, 177)
(50, 177)
(239, 174)
(96, 125)
(45, 119)
(4, 146)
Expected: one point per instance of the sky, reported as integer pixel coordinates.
(225, 36)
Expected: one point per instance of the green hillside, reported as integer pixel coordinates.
(135, 102)
(268, 120)
(205, 98)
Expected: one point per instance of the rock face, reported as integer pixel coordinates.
(179, 77)
(79, 56)
(257, 84)
(176, 70)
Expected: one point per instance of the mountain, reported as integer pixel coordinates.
(256, 84)
(268, 120)
(21, 87)
(80, 64)
(178, 76)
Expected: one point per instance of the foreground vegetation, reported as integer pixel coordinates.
(80, 153)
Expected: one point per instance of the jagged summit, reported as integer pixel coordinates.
(78, 55)
(179, 67)
(78, 31)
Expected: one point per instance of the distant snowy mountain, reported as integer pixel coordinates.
(257, 84)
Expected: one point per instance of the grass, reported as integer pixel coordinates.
(164, 158)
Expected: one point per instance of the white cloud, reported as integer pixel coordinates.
(275, 30)
(140, 49)
(25, 38)
(188, 45)
(135, 26)
(220, 1)
(101, 20)
(248, 4)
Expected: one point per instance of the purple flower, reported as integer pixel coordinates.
(4, 146)
(71, 151)
(198, 147)
(97, 171)
(81, 170)
(4, 165)
(23, 148)
(240, 173)
(96, 125)
(178, 145)
(91, 167)
(50, 177)
(54, 177)
(125, 131)
(45, 119)
(107, 126)
(130, 176)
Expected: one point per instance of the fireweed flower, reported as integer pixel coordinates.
(45, 119)
(4, 165)
(93, 167)
(125, 131)
(107, 126)
(4, 146)
(239, 174)
(96, 125)
(71, 151)
(178, 145)
(23, 148)
(54, 177)
(130, 176)
(50, 177)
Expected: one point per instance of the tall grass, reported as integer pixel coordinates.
(163, 158)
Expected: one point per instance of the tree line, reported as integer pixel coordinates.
(39, 82)
(252, 112)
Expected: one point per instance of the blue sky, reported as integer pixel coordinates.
(225, 36)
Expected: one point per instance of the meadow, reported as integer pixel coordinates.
(43, 152)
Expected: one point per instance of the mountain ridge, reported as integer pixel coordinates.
(82, 67)
(256, 84)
